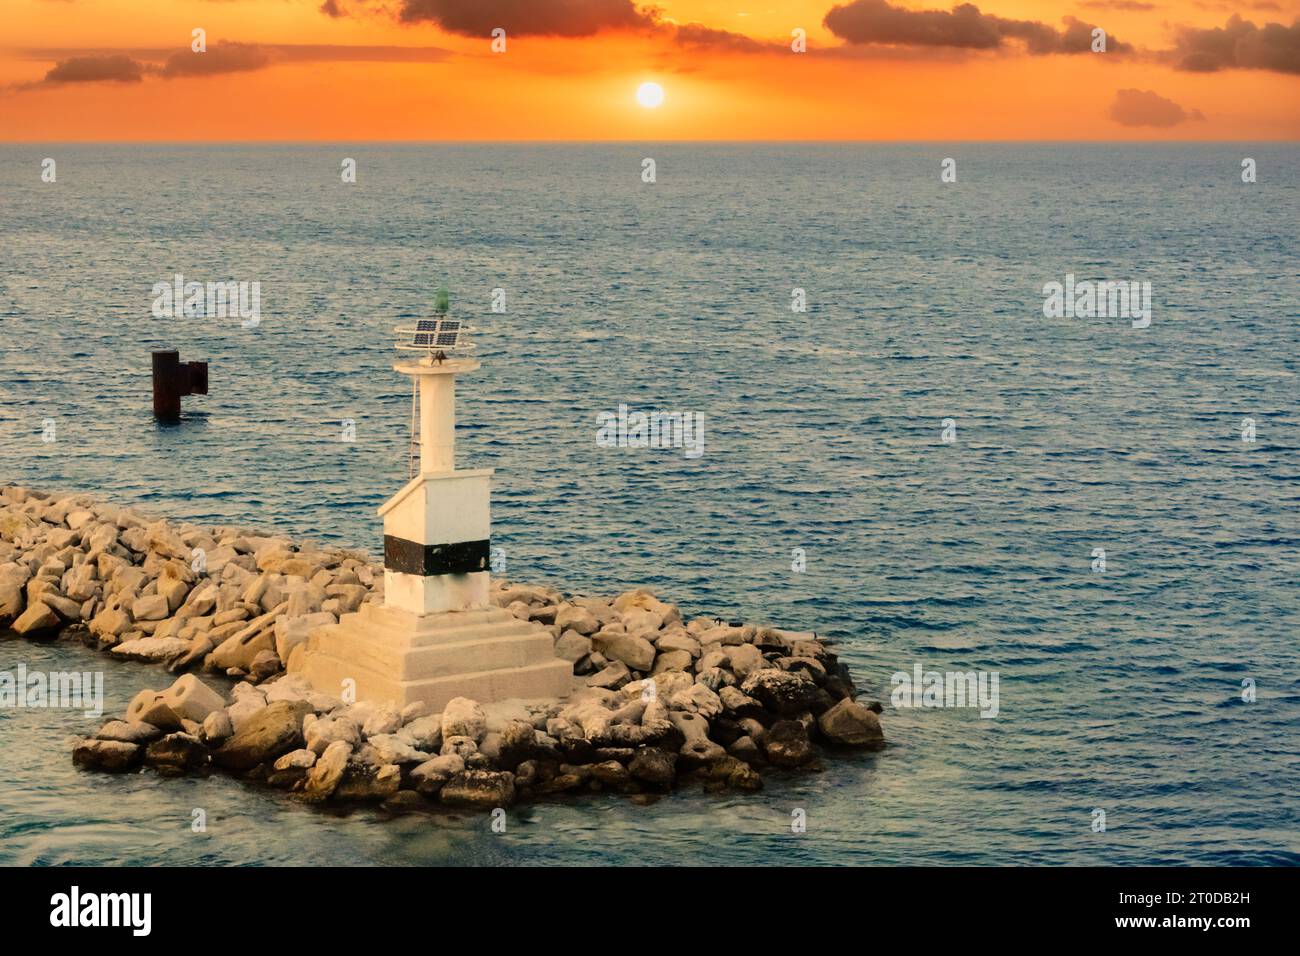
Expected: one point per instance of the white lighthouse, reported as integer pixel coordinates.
(436, 636)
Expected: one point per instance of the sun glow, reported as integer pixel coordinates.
(649, 95)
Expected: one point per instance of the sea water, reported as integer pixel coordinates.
(922, 465)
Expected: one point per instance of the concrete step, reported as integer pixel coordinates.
(552, 679)
(400, 630)
(391, 655)
(393, 637)
(480, 653)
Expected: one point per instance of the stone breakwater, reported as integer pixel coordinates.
(658, 701)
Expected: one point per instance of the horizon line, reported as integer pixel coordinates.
(619, 142)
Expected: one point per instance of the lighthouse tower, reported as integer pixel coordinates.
(436, 636)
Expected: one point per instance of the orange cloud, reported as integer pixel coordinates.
(1147, 108)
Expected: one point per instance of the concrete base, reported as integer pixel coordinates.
(400, 657)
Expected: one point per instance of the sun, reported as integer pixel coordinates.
(649, 95)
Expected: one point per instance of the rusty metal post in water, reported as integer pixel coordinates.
(173, 379)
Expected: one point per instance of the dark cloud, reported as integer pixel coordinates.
(246, 57)
(870, 29)
(893, 32)
(875, 21)
(963, 27)
(1239, 45)
(559, 18)
(276, 53)
(219, 58)
(698, 35)
(1147, 108)
(1237, 5)
(117, 68)
(130, 66)
(1075, 38)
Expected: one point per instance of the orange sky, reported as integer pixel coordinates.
(878, 69)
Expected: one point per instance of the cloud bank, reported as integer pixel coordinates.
(964, 27)
(1239, 45)
(92, 66)
(557, 18)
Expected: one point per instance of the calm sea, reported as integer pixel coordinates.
(1120, 691)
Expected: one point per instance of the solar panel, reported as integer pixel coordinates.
(424, 326)
(436, 335)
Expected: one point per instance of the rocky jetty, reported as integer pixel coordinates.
(659, 701)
